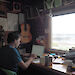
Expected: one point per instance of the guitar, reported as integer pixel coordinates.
(26, 36)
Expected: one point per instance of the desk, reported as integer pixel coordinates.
(61, 68)
(39, 69)
(58, 67)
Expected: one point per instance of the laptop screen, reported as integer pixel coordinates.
(38, 50)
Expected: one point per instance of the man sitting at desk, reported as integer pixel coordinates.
(10, 58)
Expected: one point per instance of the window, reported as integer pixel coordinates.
(63, 32)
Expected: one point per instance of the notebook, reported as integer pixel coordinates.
(38, 50)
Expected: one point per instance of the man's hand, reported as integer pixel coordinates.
(33, 56)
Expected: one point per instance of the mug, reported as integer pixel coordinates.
(46, 60)
(42, 60)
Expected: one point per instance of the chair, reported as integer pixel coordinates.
(2, 72)
(6, 72)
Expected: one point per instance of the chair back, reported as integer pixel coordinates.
(7, 72)
(2, 72)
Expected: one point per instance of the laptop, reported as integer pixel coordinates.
(38, 50)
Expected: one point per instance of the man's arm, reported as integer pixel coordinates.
(25, 65)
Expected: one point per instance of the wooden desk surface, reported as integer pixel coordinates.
(57, 67)
(60, 67)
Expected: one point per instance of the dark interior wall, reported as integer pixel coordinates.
(37, 27)
(34, 3)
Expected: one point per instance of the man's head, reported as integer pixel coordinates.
(14, 37)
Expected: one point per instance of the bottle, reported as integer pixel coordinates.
(73, 65)
(69, 66)
(48, 61)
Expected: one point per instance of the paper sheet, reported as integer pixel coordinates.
(38, 50)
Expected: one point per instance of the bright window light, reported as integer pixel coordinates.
(63, 32)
